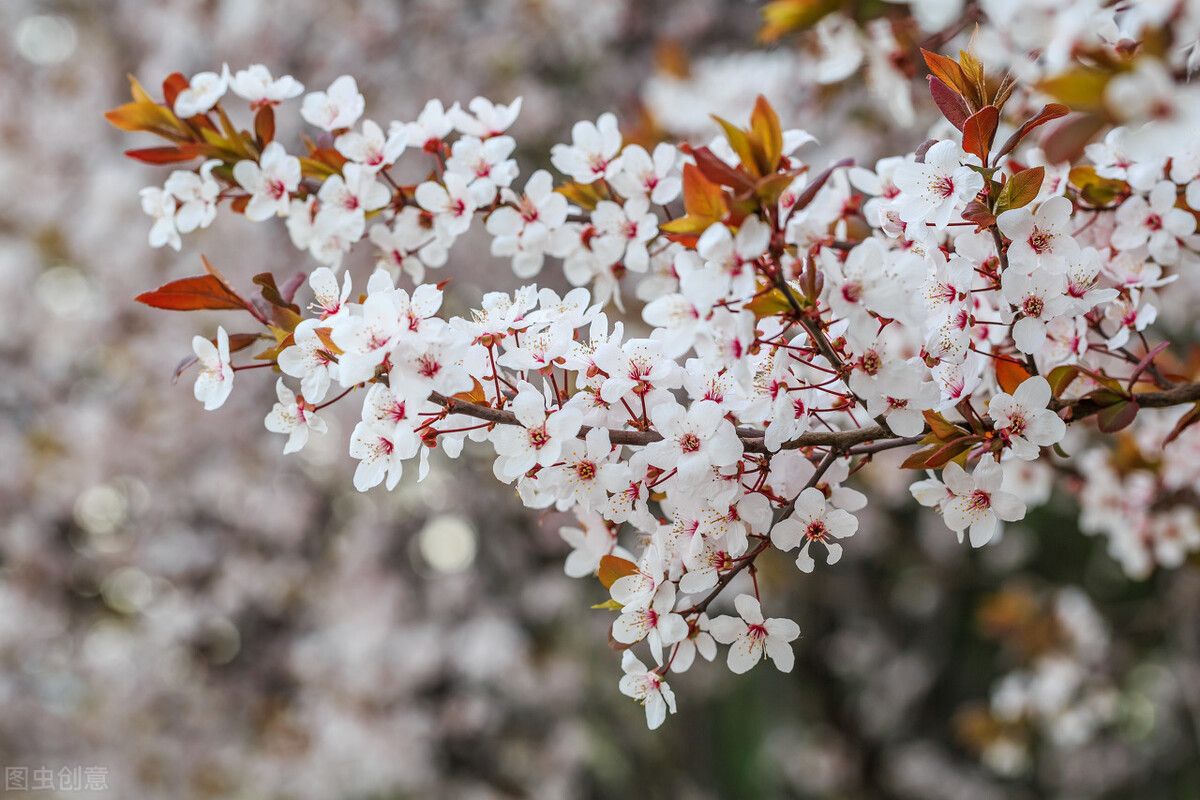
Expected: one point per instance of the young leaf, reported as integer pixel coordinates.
(702, 199)
(192, 294)
(764, 124)
(264, 125)
(947, 71)
(1060, 378)
(941, 427)
(1049, 112)
(1021, 189)
(1010, 374)
(1117, 416)
(162, 155)
(614, 567)
(949, 102)
(979, 130)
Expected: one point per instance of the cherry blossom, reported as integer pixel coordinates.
(294, 416)
(592, 153)
(934, 189)
(337, 107)
(648, 688)
(1023, 419)
(203, 92)
(813, 521)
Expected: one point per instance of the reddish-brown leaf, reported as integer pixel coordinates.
(1060, 378)
(1010, 374)
(717, 171)
(162, 155)
(191, 294)
(979, 214)
(941, 427)
(264, 125)
(1049, 111)
(1117, 416)
(979, 130)
(949, 102)
(1067, 140)
(1186, 421)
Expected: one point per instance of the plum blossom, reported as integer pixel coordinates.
(751, 637)
(931, 191)
(592, 153)
(1040, 239)
(202, 93)
(695, 440)
(648, 688)
(530, 226)
(337, 107)
(215, 381)
(658, 624)
(270, 182)
(813, 520)
(294, 416)
(1023, 419)
(160, 205)
(256, 85)
(978, 502)
(540, 438)
(1154, 221)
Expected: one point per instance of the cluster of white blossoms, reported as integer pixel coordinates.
(799, 325)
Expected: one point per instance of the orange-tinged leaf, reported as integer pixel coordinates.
(476, 394)
(1186, 421)
(1021, 189)
(810, 191)
(1010, 374)
(172, 86)
(768, 304)
(739, 140)
(917, 460)
(585, 195)
(144, 116)
(1096, 190)
(979, 130)
(703, 199)
(941, 427)
(1081, 88)
(764, 124)
(325, 334)
(947, 71)
(782, 17)
(614, 567)
(137, 92)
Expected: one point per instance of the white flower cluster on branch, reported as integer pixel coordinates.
(952, 300)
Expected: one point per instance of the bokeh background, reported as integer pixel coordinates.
(200, 617)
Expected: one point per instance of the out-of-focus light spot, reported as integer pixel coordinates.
(45, 39)
(447, 544)
(64, 291)
(220, 641)
(1138, 716)
(127, 590)
(100, 510)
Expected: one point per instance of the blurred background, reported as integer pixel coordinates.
(186, 613)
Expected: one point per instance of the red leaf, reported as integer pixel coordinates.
(198, 292)
(949, 102)
(1010, 375)
(979, 130)
(161, 155)
(1186, 421)
(172, 86)
(946, 70)
(191, 294)
(978, 213)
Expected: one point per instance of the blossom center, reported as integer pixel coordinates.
(1033, 306)
(689, 442)
(1040, 240)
